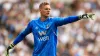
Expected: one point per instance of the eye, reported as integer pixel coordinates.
(47, 9)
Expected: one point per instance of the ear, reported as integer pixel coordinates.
(39, 9)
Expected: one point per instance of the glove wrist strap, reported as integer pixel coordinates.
(84, 16)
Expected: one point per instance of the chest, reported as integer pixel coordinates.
(42, 28)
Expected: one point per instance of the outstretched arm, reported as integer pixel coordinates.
(59, 21)
(20, 37)
(65, 20)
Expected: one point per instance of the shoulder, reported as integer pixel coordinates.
(56, 18)
(53, 18)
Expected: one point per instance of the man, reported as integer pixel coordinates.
(45, 31)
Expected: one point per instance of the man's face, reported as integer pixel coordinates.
(45, 10)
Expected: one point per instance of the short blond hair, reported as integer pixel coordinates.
(43, 4)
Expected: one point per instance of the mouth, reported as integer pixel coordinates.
(47, 13)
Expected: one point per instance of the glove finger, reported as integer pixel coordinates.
(7, 53)
(91, 16)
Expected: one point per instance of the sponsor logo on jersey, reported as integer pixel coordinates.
(44, 38)
(41, 33)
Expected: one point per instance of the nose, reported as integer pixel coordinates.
(48, 10)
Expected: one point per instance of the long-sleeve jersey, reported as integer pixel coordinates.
(45, 34)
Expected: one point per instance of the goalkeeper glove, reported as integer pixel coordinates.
(87, 16)
(9, 47)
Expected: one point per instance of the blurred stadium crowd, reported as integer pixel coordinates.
(81, 38)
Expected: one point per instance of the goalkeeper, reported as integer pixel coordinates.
(44, 29)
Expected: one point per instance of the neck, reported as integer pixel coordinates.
(43, 18)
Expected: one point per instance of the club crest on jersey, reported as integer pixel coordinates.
(47, 26)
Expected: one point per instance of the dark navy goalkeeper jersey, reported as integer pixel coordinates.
(45, 34)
